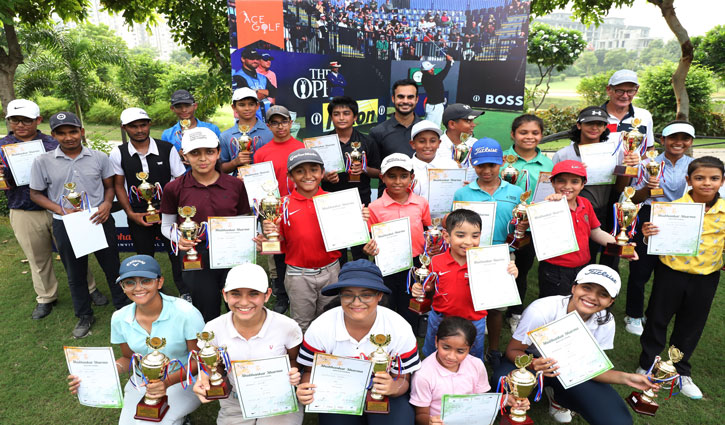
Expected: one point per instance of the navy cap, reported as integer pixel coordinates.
(64, 118)
(181, 96)
(139, 266)
(250, 53)
(456, 111)
(486, 151)
(358, 274)
(266, 57)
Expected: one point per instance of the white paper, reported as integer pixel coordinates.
(20, 158)
(552, 229)
(680, 228)
(330, 151)
(85, 237)
(263, 387)
(492, 286)
(255, 175)
(230, 241)
(340, 217)
(96, 368)
(543, 188)
(600, 162)
(442, 185)
(487, 212)
(468, 409)
(395, 245)
(340, 384)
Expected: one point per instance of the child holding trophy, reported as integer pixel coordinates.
(425, 139)
(251, 132)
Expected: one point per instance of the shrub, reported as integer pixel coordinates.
(713, 124)
(51, 105)
(594, 89)
(558, 119)
(98, 142)
(102, 112)
(161, 114)
(4, 210)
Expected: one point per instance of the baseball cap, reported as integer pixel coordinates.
(130, 115)
(181, 96)
(198, 137)
(244, 93)
(301, 156)
(623, 76)
(250, 53)
(278, 110)
(426, 65)
(23, 108)
(65, 118)
(335, 64)
(486, 151)
(593, 113)
(457, 111)
(679, 127)
(139, 266)
(399, 160)
(601, 275)
(248, 275)
(425, 125)
(569, 166)
(266, 57)
(360, 274)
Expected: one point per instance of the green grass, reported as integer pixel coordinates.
(567, 85)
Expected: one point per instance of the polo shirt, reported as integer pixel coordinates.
(391, 136)
(420, 172)
(672, 182)
(432, 381)
(260, 133)
(328, 334)
(363, 186)
(19, 196)
(599, 194)
(173, 134)
(178, 322)
(534, 166)
(584, 221)
(278, 153)
(302, 240)
(445, 150)
(177, 167)
(507, 197)
(453, 297)
(415, 208)
(709, 253)
(616, 126)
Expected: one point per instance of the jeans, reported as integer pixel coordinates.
(556, 280)
(435, 319)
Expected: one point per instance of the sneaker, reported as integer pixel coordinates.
(634, 325)
(557, 412)
(98, 298)
(83, 327)
(186, 297)
(494, 359)
(41, 310)
(689, 388)
(281, 305)
(640, 371)
(514, 322)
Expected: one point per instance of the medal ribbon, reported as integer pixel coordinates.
(540, 381)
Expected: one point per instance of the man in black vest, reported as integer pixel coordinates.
(161, 162)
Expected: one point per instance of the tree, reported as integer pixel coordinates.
(711, 51)
(616, 58)
(142, 77)
(594, 88)
(587, 62)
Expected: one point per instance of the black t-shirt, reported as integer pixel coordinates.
(363, 186)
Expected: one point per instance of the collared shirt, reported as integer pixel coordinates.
(709, 252)
(445, 150)
(453, 297)
(391, 136)
(433, 380)
(328, 334)
(584, 221)
(19, 196)
(178, 322)
(617, 126)
(415, 208)
(278, 153)
(421, 184)
(271, 76)
(302, 238)
(534, 166)
(507, 197)
(597, 194)
(259, 133)
(672, 182)
(177, 167)
(173, 134)
(363, 186)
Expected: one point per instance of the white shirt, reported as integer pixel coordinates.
(646, 118)
(177, 168)
(420, 171)
(445, 150)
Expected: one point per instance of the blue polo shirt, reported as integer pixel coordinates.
(259, 131)
(507, 196)
(673, 181)
(173, 134)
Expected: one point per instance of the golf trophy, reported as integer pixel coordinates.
(153, 368)
(433, 239)
(631, 141)
(520, 383)
(654, 169)
(77, 200)
(191, 230)
(211, 357)
(661, 371)
(374, 402)
(625, 214)
(148, 192)
(517, 239)
(355, 157)
(509, 173)
(461, 153)
(3, 183)
(270, 208)
(243, 143)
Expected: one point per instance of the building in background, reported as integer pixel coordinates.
(613, 33)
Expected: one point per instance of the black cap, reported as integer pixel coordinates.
(64, 118)
(593, 113)
(250, 53)
(457, 111)
(181, 96)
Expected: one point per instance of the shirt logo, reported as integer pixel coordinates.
(293, 212)
(442, 273)
(586, 218)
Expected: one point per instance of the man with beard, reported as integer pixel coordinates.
(249, 77)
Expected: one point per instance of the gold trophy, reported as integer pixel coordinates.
(461, 152)
(517, 239)
(631, 141)
(509, 173)
(148, 192)
(74, 198)
(644, 403)
(211, 357)
(625, 216)
(153, 367)
(355, 157)
(3, 183)
(374, 402)
(270, 208)
(242, 144)
(433, 239)
(520, 383)
(185, 124)
(654, 169)
(190, 230)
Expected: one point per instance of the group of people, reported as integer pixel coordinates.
(337, 299)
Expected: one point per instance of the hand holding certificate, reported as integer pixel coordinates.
(552, 229)
(330, 151)
(255, 176)
(85, 236)
(263, 387)
(20, 156)
(340, 384)
(543, 188)
(231, 241)
(492, 286)
(442, 185)
(466, 409)
(96, 369)
(680, 227)
(487, 212)
(340, 217)
(394, 245)
(600, 162)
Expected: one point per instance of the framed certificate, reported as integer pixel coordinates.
(330, 151)
(543, 188)
(487, 212)
(467, 409)
(680, 226)
(340, 384)
(20, 158)
(340, 217)
(255, 175)
(442, 185)
(96, 367)
(552, 229)
(230, 241)
(600, 161)
(492, 286)
(569, 342)
(395, 245)
(273, 394)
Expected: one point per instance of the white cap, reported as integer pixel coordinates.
(248, 275)
(400, 160)
(425, 125)
(130, 115)
(427, 66)
(623, 76)
(679, 127)
(198, 137)
(244, 93)
(601, 275)
(23, 108)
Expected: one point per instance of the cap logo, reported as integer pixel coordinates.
(396, 160)
(603, 273)
(597, 113)
(195, 136)
(135, 263)
(60, 116)
(485, 149)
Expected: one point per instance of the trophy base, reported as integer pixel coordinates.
(152, 413)
(640, 406)
(624, 171)
(4, 185)
(420, 307)
(353, 178)
(508, 420)
(518, 243)
(217, 392)
(189, 265)
(656, 192)
(622, 251)
(376, 406)
(271, 247)
(153, 218)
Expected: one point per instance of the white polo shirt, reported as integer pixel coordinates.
(328, 334)
(177, 168)
(420, 171)
(445, 150)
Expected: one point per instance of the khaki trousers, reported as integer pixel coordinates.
(304, 288)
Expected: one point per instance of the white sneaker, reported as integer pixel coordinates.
(514, 322)
(640, 371)
(560, 414)
(689, 388)
(634, 325)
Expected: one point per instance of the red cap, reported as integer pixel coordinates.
(569, 166)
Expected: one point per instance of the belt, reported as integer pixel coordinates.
(301, 271)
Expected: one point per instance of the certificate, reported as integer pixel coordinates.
(395, 245)
(230, 241)
(680, 225)
(442, 185)
(85, 236)
(466, 409)
(255, 175)
(487, 212)
(340, 217)
(600, 162)
(330, 151)
(340, 384)
(96, 367)
(492, 286)
(569, 342)
(543, 188)
(552, 230)
(20, 158)
(263, 387)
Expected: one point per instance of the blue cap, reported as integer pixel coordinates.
(139, 266)
(486, 151)
(359, 274)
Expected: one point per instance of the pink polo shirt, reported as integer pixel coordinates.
(415, 208)
(432, 380)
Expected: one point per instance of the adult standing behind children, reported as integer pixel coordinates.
(184, 107)
(245, 104)
(622, 88)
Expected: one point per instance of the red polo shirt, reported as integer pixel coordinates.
(584, 221)
(454, 292)
(302, 239)
(278, 153)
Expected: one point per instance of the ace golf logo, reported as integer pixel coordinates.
(260, 20)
